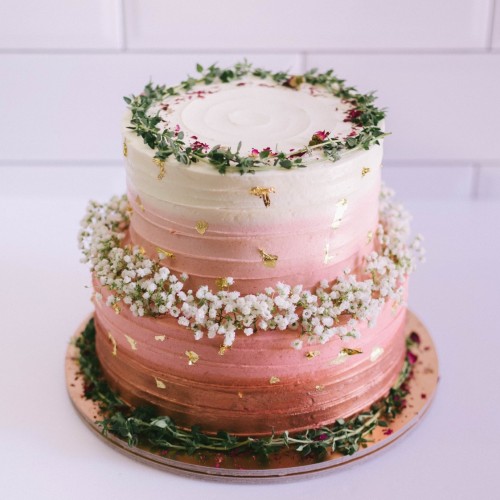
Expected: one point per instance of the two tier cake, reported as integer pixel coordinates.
(253, 279)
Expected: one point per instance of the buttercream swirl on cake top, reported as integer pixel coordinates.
(258, 114)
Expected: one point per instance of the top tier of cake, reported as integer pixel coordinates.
(296, 225)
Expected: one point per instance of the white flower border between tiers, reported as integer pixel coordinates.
(150, 289)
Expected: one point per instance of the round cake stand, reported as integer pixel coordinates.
(284, 465)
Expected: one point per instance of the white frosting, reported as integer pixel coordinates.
(320, 217)
(257, 113)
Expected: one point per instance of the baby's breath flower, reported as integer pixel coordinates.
(150, 289)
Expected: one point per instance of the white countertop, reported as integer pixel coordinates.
(47, 453)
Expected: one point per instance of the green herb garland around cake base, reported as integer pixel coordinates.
(142, 426)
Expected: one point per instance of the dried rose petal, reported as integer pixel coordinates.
(415, 337)
(318, 137)
(412, 358)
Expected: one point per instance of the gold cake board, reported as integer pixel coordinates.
(286, 464)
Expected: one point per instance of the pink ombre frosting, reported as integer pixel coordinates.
(233, 391)
(320, 220)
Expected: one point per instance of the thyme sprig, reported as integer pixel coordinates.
(142, 426)
(170, 143)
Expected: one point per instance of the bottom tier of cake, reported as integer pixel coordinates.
(258, 387)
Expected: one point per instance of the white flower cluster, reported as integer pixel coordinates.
(335, 309)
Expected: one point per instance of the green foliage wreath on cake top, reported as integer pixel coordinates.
(362, 113)
(142, 426)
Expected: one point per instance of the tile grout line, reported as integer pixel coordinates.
(491, 27)
(249, 50)
(123, 25)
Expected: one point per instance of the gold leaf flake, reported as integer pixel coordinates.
(223, 348)
(320, 387)
(113, 343)
(142, 250)
(294, 82)
(192, 357)
(139, 202)
(161, 165)
(132, 342)
(129, 210)
(376, 353)
(312, 354)
(222, 283)
(351, 352)
(160, 384)
(268, 259)
(164, 254)
(369, 237)
(160, 338)
(328, 258)
(263, 193)
(201, 226)
(364, 171)
(116, 308)
(240, 395)
(394, 308)
(125, 149)
(274, 380)
(340, 209)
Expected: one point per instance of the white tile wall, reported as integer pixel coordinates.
(68, 107)
(293, 25)
(430, 182)
(496, 25)
(65, 65)
(60, 24)
(440, 106)
(489, 183)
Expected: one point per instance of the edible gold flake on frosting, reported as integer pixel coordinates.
(274, 380)
(161, 165)
(142, 250)
(263, 193)
(328, 258)
(160, 384)
(222, 283)
(351, 352)
(125, 149)
(165, 253)
(320, 387)
(201, 226)
(139, 202)
(192, 357)
(364, 171)
(376, 353)
(113, 343)
(340, 208)
(312, 354)
(240, 395)
(268, 259)
(223, 348)
(132, 342)
(369, 237)
(394, 308)
(160, 338)
(116, 308)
